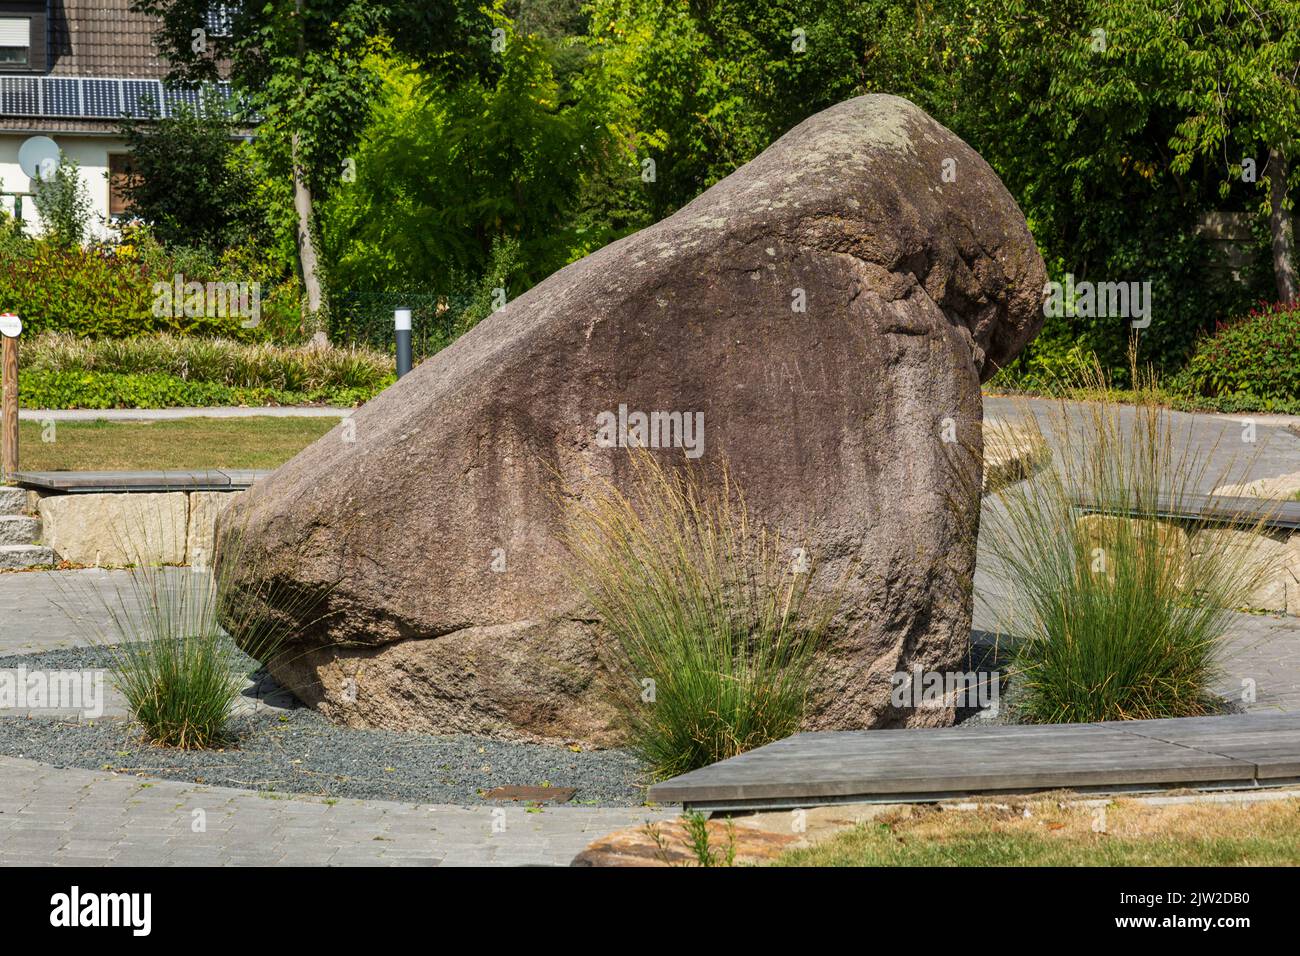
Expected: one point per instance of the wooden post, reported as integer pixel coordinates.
(10, 327)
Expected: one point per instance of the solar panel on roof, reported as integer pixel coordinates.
(143, 98)
(220, 19)
(61, 96)
(225, 97)
(101, 98)
(176, 99)
(18, 96)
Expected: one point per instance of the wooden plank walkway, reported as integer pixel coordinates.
(99, 482)
(893, 766)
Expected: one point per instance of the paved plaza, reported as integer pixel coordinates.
(63, 815)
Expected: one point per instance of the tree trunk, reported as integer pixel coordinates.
(307, 251)
(1282, 228)
(302, 206)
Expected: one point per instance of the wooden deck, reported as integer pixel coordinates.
(812, 769)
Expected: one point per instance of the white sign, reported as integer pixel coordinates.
(10, 325)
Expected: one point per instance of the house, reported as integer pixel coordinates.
(70, 70)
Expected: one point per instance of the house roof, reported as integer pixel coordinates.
(50, 126)
(102, 64)
(103, 38)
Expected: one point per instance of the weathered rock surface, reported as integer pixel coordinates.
(1272, 559)
(825, 312)
(1279, 487)
(672, 844)
(1104, 531)
(750, 840)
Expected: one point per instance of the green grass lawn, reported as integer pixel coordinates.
(1135, 834)
(185, 443)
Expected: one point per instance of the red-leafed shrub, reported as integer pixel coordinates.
(1257, 355)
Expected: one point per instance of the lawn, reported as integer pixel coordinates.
(1136, 834)
(185, 443)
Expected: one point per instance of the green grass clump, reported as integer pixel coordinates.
(172, 659)
(1114, 617)
(715, 629)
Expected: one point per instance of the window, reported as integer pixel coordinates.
(15, 42)
(120, 174)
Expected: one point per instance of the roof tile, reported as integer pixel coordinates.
(103, 38)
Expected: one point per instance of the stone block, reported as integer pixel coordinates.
(205, 506)
(116, 530)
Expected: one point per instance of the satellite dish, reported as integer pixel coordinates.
(39, 157)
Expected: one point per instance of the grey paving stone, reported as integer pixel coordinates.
(147, 829)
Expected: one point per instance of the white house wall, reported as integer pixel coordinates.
(91, 155)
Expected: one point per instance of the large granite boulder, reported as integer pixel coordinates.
(824, 317)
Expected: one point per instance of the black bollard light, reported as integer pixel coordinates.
(402, 323)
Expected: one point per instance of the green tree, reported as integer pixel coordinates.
(189, 181)
(449, 167)
(300, 67)
(1084, 140)
(699, 88)
(1227, 72)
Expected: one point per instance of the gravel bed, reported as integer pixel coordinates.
(90, 657)
(299, 751)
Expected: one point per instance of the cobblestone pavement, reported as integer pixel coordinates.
(61, 816)
(51, 816)
(39, 610)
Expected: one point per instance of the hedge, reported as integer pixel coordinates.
(46, 389)
(1253, 361)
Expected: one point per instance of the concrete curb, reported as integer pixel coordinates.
(166, 414)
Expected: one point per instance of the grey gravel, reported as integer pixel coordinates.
(299, 751)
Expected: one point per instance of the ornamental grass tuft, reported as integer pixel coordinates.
(1120, 612)
(169, 634)
(715, 627)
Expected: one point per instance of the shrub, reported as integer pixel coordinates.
(1045, 369)
(64, 204)
(110, 390)
(1257, 356)
(188, 179)
(703, 604)
(106, 290)
(14, 241)
(90, 292)
(1114, 618)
